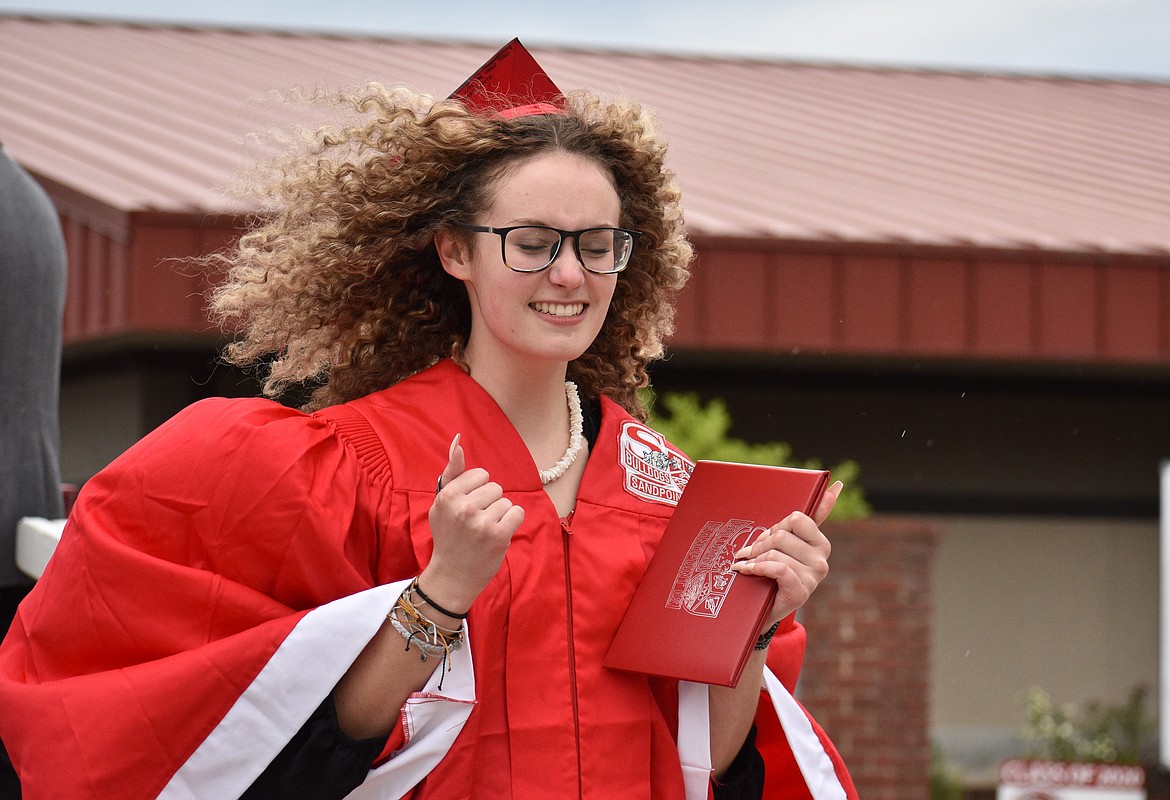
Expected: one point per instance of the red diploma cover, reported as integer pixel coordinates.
(692, 617)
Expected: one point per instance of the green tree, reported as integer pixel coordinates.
(703, 432)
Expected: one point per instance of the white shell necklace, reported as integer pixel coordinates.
(576, 440)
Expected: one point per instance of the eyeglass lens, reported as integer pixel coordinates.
(600, 249)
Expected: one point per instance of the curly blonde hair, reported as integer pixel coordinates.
(340, 285)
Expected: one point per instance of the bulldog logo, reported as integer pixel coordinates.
(652, 470)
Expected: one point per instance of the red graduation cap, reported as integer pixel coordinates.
(511, 84)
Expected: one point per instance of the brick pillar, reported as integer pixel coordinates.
(866, 674)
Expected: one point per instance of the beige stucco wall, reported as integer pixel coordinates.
(1067, 604)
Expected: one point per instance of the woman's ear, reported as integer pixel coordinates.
(454, 253)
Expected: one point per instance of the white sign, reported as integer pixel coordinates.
(1164, 716)
(1022, 779)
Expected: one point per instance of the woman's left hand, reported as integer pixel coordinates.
(794, 553)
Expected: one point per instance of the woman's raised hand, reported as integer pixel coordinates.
(472, 525)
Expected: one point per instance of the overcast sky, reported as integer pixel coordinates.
(1128, 38)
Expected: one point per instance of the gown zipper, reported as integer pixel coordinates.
(566, 535)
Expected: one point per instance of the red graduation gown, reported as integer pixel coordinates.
(216, 580)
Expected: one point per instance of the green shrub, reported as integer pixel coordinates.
(701, 431)
(945, 783)
(1114, 734)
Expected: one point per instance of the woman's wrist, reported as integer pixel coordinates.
(435, 599)
(765, 638)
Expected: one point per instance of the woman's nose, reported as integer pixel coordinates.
(567, 268)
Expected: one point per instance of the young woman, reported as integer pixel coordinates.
(407, 588)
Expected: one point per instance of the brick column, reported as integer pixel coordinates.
(866, 674)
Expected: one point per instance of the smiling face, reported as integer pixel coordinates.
(553, 315)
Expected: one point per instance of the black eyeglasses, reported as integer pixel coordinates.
(532, 248)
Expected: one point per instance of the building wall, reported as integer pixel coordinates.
(905, 301)
(1067, 604)
(101, 415)
(110, 398)
(933, 436)
(867, 665)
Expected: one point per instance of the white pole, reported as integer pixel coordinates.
(1164, 581)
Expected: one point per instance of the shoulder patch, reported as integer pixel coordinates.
(652, 470)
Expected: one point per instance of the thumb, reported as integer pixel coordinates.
(455, 461)
(828, 501)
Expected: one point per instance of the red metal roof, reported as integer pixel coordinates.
(153, 118)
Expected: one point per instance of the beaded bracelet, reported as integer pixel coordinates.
(765, 638)
(430, 639)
